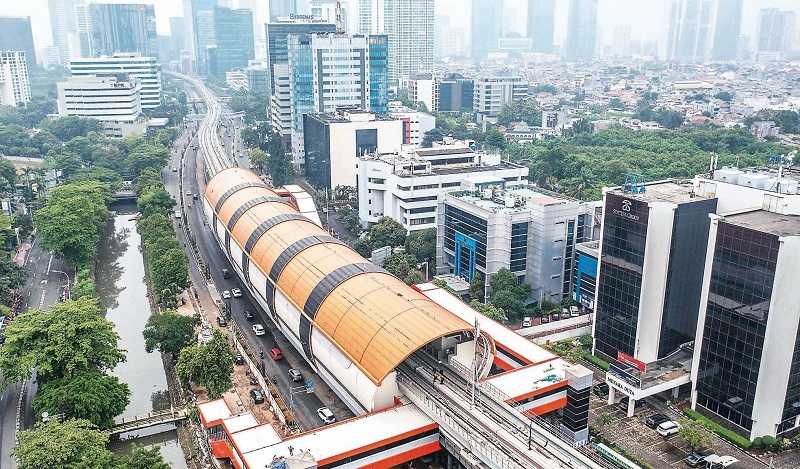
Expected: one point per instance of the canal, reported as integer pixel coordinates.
(121, 287)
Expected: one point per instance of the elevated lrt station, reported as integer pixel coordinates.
(423, 372)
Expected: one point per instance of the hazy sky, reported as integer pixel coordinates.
(646, 17)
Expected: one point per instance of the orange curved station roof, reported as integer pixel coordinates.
(373, 317)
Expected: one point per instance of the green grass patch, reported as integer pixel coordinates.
(723, 432)
(597, 361)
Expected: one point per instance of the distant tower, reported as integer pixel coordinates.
(581, 29)
(727, 29)
(487, 25)
(541, 22)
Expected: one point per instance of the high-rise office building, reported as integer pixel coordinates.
(492, 92)
(234, 43)
(63, 26)
(541, 23)
(691, 30)
(326, 10)
(81, 40)
(648, 299)
(456, 94)
(378, 73)
(278, 32)
(115, 103)
(281, 104)
(410, 27)
(581, 29)
(776, 32)
(16, 34)
(191, 14)
(15, 88)
(177, 32)
(145, 70)
(487, 24)
(328, 71)
(727, 29)
(281, 9)
(123, 28)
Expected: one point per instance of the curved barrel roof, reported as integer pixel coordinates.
(373, 318)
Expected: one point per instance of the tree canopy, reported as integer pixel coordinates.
(141, 458)
(386, 232)
(422, 245)
(90, 395)
(507, 293)
(73, 444)
(209, 365)
(168, 332)
(525, 110)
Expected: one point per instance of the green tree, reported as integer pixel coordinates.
(67, 128)
(279, 165)
(386, 232)
(400, 264)
(155, 201)
(109, 177)
(84, 285)
(508, 300)
(12, 277)
(73, 444)
(545, 88)
(414, 277)
(694, 433)
(168, 332)
(90, 395)
(349, 218)
(724, 96)
(489, 310)
(149, 178)
(68, 339)
(170, 271)
(258, 159)
(477, 287)
(422, 245)
(141, 458)
(8, 176)
(434, 135)
(362, 247)
(616, 104)
(503, 280)
(143, 155)
(209, 365)
(495, 139)
(521, 111)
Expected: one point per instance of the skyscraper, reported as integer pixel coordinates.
(281, 8)
(581, 29)
(15, 87)
(487, 23)
(541, 21)
(123, 28)
(726, 31)
(775, 31)
(410, 28)
(191, 11)
(278, 36)
(233, 34)
(63, 27)
(691, 30)
(16, 34)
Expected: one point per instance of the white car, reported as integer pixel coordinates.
(258, 329)
(326, 415)
(526, 322)
(719, 462)
(237, 292)
(574, 311)
(668, 428)
(205, 334)
(226, 294)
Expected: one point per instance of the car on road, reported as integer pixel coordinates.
(195, 196)
(237, 292)
(226, 294)
(174, 169)
(257, 396)
(276, 354)
(668, 428)
(697, 459)
(259, 329)
(205, 334)
(253, 380)
(600, 389)
(238, 359)
(226, 273)
(188, 193)
(574, 312)
(326, 415)
(295, 375)
(655, 420)
(526, 321)
(249, 315)
(177, 213)
(221, 322)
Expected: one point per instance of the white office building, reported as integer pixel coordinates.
(15, 88)
(415, 123)
(237, 80)
(423, 88)
(281, 104)
(116, 103)
(493, 92)
(146, 71)
(405, 186)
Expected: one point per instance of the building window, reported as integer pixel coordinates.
(467, 224)
(519, 246)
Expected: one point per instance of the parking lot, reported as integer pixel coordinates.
(648, 446)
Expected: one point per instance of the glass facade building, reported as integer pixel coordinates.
(379, 73)
(278, 32)
(455, 94)
(462, 226)
(235, 46)
(18, 35)
(123, 28)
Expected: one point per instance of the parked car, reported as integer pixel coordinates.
(174, 169)
(258, 329)
(574, 312)
(249, 315)
(668, 428)
(554, 317)
(221, 321)
(326, 415)
(545, 319)
(177, 213)
(205, 334)
(697, 459)
(526, 322)
(237, 292)
(719, 462)
(655, 420)
(600, 389)
(226, 273)
(276, 354)
(195, 196)
(226, 294)
(623, 405)
(257, 396)
(295, 375)
(253, 380)
(238, 359)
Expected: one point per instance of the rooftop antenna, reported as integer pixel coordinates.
(339, 25)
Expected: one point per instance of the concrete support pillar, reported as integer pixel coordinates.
(675, 392)
(631, 406)
(612, 394)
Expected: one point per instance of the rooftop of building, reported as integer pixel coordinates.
(512, 200)
(589, 247)
(768, 222)
(345, 116)
(672, 190)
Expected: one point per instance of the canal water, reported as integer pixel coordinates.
(121, 288)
